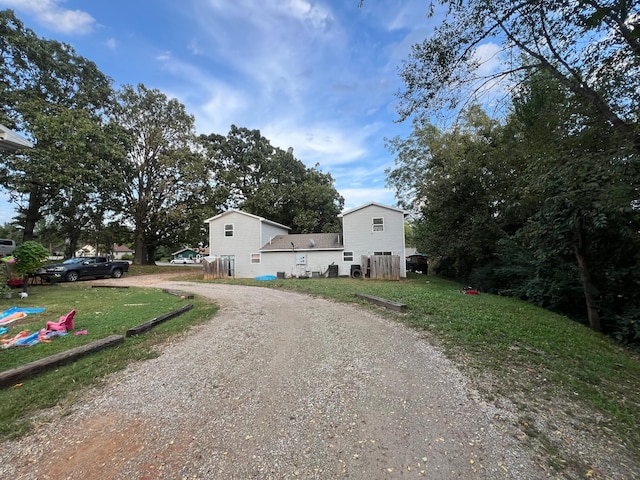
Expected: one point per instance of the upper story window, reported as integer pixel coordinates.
(228, 230)
(378, 224)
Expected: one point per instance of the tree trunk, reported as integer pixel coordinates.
(585, 276)
(140, 255)
(33, 212)
(71, 246)
(151, 255)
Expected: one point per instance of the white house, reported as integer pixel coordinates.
(256, 246)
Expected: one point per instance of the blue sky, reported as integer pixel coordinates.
(318, 76)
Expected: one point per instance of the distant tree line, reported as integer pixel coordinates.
(126, 166)
(542, 204)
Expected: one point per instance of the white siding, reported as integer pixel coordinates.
(244, 242)
(250, 233)
(316, 261)
(269, 231)
(361, 239)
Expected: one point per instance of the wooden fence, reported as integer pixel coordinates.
(219, 267)
(381, 267)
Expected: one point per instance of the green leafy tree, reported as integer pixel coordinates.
(250, 174)
(164, 175)
(11, 231)
(583, 189)
(56, 98)
(457, 181)
(92, 195)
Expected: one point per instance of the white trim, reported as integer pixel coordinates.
(379, 224)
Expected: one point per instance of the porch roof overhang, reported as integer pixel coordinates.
(10, 141)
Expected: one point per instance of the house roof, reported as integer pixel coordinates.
(305, 241)
(262, 219)
(185, 250)
(10, 140)
(376, 204)
(121, 249)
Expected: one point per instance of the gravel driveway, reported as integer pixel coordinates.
(279, 385)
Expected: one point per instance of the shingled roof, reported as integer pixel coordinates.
(305, 241)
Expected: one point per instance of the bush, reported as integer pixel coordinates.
(30, 256)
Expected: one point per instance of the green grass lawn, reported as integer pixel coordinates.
(101, 312)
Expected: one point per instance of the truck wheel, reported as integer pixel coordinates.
(117, 273)
(72, 276)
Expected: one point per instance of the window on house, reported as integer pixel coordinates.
(347, 256)
(378, 224)
(228, 230)
(255, 258)
(382, 253)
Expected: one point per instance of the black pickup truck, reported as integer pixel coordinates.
(74, 268)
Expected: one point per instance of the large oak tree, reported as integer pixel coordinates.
(251, 174)
(57, 99)
(164, 174)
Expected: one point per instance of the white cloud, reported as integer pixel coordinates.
(354, 197)
(50, 14)
(194, 48)
(280, 45)
(316, 14)
(318, 143)
(488, 57)
(223, 107)
(111, 43)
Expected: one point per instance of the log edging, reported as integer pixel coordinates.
(390, 304)
(146, 326)
(11, 376)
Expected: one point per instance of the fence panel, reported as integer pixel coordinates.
(215, 268)
(381, 267)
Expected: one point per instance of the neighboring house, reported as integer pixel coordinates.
(186, 254)
(120, 251)
(256, 246)
(86, 251)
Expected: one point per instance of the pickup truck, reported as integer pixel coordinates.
(418, 263)
(74, 268)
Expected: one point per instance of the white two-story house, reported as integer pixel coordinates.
(256, 246)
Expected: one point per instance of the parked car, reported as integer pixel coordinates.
(7, 246)
(74, 268)
(183, 260)
(418, 263)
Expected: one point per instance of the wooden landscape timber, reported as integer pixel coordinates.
(157, 321)
(178, 293)
(10, 377)
(109, 286)
(391, 305)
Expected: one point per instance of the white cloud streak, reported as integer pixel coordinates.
(53, 16)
